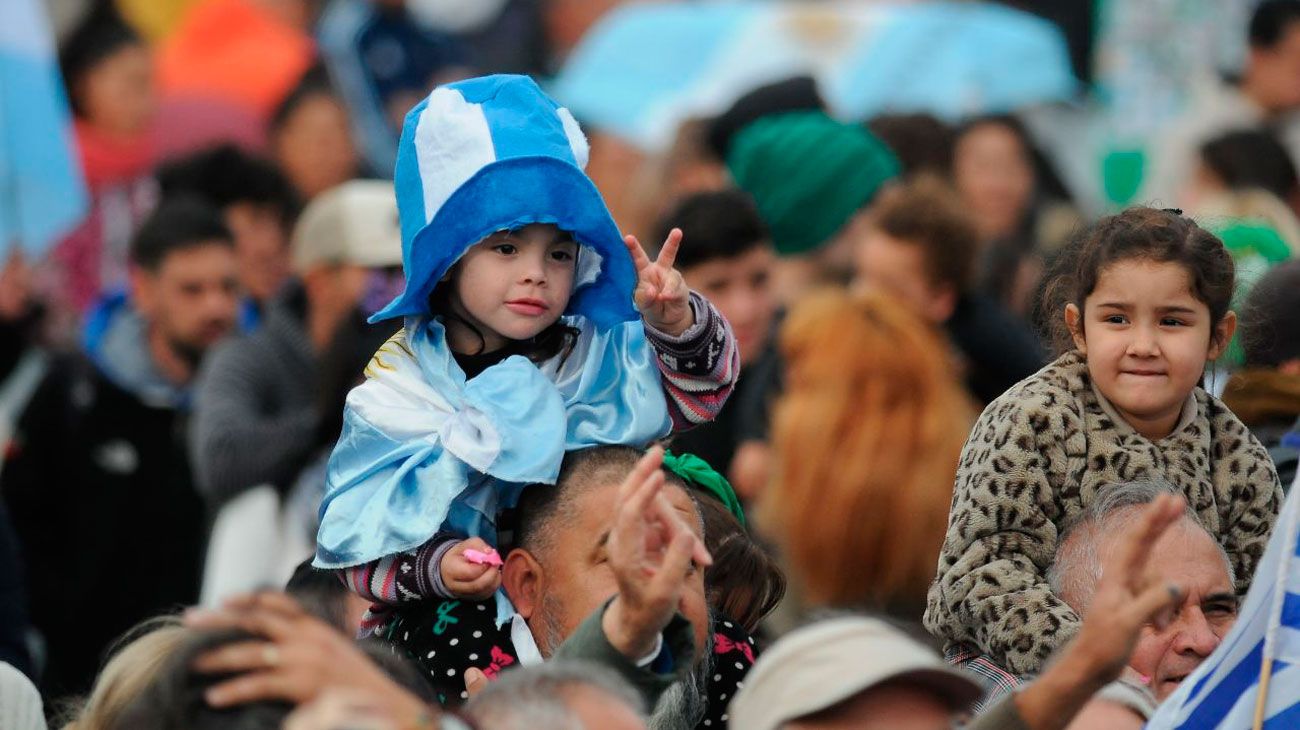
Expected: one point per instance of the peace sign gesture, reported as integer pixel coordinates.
(661, 294)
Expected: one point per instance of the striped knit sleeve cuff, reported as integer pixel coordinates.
(697, 350)
(431, 569)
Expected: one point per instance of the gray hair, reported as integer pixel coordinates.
(536, 698)
(1077, 567)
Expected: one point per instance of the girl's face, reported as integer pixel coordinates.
(995, 177)
(315, 146)
(1146, 338)
(512, 285)
(117, 95)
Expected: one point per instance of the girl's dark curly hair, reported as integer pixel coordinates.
(1140, 233)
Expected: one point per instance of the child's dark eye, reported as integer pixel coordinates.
(562, 255)
(1115, 319)
(505, 248)
(1171, 322)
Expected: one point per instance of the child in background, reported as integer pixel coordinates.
(521, 342)
(1143, 300)
(108, 70)
(109, 73)
(727, 256)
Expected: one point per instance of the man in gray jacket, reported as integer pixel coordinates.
(260, 412)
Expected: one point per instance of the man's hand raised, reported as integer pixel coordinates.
(652, 552)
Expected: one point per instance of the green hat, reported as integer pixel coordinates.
(697, 471)
(808, 174)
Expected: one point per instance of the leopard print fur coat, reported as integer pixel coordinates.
(1036, 458)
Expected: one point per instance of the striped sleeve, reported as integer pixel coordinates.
(698, 367)
(409, 576)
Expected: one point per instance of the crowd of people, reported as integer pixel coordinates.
(350, 404)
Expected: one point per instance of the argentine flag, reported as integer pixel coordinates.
(42, 192)
(646, 67)
(1224, 690)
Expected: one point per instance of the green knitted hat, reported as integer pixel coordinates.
(808, 174)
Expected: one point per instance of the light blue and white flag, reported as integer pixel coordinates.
(1224, 690)
(42, 191)
(646, 67)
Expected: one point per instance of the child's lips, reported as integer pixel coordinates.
(1143, 373)
(527, 307)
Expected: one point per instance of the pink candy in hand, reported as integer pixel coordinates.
(481, 557)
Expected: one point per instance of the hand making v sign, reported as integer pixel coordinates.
(661, 294)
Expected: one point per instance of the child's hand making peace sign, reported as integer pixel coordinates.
(661, 294)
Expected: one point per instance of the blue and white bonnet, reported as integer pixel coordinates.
(495, 153)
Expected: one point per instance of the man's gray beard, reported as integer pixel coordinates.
(682, 706)
(549, 632)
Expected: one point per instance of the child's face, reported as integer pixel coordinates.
(315, 147)
(117, 95)
(514, 284)
(741, 288)
(898, 267)
(1146, 338)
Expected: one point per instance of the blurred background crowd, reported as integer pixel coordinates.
(166, 407)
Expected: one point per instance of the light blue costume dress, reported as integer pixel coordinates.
(422, 449)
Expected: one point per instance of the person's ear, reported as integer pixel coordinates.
(1222, 335)
(524, 580)
(943, 302)
(1074, 322)
(144, 291)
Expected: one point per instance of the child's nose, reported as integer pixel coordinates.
(533, 272)
(1143, 344)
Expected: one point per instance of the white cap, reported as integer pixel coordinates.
(826, 663)
(353, 223)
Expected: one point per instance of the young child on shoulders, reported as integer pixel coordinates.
(529, 331)
(1142, 304)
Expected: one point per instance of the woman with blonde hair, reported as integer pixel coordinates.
(133, 665)
(866, 435)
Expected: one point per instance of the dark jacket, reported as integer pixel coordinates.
(998, 348)
(744, 418)
(13, 600)
(99, 490)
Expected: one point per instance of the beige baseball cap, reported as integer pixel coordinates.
(826, 663)
(353, 223)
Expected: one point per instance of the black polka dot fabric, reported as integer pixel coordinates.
(734, 652)
(448, 637)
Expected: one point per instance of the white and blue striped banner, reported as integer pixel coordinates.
(1223, 691)
(42, 191)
